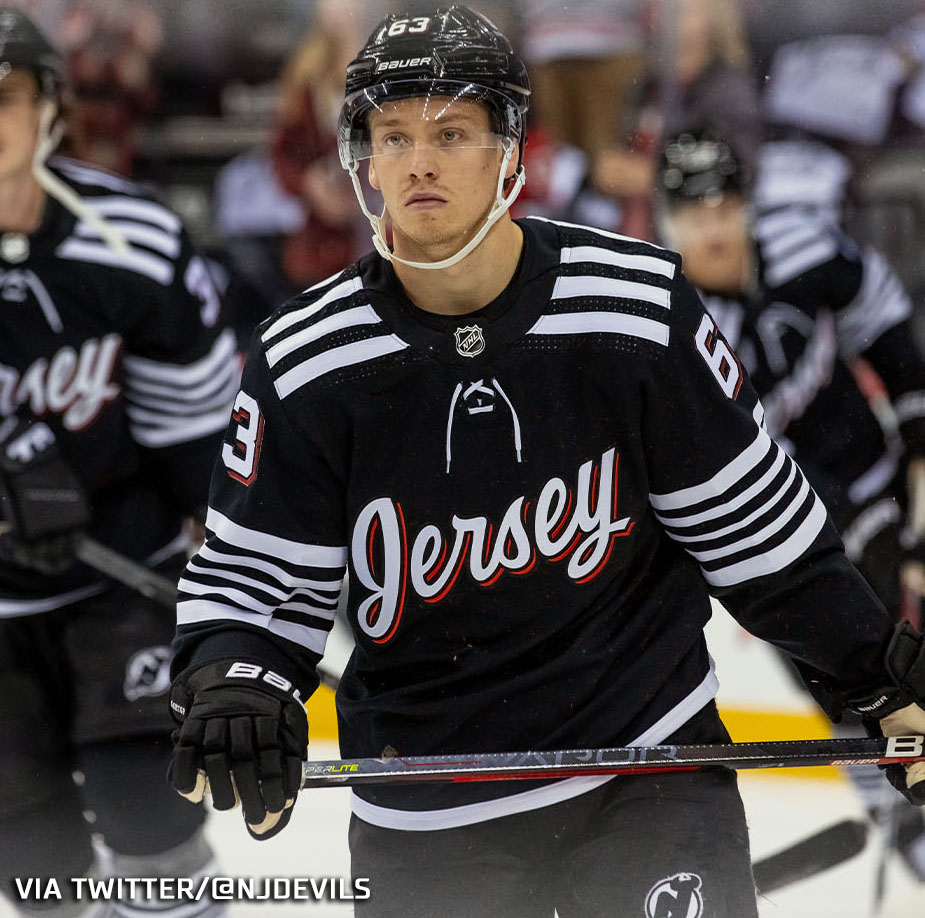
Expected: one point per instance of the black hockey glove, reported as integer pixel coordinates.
(43, 501)
(899, 709)
(242, 737)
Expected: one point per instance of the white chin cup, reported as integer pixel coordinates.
(499, 207)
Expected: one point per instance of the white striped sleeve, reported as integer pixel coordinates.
(881, 303)
(754, 517)
(275, 555)
(793, 241)
(245, 575)
(171, 403)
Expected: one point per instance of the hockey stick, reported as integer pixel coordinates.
(150, 583)
(811, 856)
(113, 564)
(128, 572)
(509, 766)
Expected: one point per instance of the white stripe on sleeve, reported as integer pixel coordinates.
(727, 476)
(299, 553)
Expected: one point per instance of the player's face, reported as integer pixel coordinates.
(20, 107)
(713, 239)
(435, 162)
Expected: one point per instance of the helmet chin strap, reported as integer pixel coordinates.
(501, 204)
(49, 138)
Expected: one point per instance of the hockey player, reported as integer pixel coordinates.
(537, 456)
(115, 381)
(796, 298)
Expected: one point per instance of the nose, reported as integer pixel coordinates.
(422, 161)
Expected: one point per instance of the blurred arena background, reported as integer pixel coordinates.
(228, 108)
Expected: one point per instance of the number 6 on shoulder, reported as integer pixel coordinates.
(719, 356)
(241, 455)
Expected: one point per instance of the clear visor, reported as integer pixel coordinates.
(395, 119)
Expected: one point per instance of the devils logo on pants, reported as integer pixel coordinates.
(675, 897)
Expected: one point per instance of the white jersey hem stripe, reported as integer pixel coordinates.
(549, 794)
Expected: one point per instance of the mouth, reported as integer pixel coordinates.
(424, 201)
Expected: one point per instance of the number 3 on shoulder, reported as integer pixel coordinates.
(719, 357)
(242, 453)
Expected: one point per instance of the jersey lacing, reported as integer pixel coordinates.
(475, 388)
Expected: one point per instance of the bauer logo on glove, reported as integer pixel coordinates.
(242, 737)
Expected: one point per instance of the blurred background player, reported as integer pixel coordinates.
(798, 300)
(846, 126)
(116, 376)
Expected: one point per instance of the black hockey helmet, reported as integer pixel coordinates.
(698, 165)
(453, 52)
(24, 47)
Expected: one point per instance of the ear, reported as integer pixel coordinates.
(371, 172)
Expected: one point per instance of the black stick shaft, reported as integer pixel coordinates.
(134, 575)
(810, 856)
(507, 766)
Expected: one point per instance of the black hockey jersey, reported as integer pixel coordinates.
(806, 260)
(124, 356)
(813, 405)
(534, 501)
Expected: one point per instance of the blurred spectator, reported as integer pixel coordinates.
(253, 217)
(304, 146)
(700, 75)
(287, 214)
(46, 14)
(111, 48)
(557, 185)
(585, 58)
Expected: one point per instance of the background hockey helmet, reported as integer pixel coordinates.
(24, 47)
(700, 165)
(452, 52)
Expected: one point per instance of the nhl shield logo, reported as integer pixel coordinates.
(469, 341)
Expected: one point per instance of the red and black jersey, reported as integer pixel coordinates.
(124, 356)
(534, 501)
